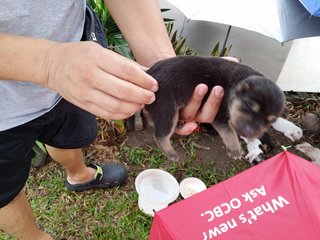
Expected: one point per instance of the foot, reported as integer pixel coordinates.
(106, 175)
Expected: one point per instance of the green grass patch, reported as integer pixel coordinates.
(113, 213)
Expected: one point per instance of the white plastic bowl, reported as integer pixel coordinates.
(190, 186)
(156, 189)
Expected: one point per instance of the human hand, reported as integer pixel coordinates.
(98, 80)
(191, 114)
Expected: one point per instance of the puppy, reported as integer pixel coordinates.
(251, 101)
(310, 151)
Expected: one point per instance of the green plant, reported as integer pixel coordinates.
(189, 145)
(115, 39)
(179, 44)
(40, 156)
(143, 157)
(216, 52)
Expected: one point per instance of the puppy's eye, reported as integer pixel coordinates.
(252, 106)
(272, 118)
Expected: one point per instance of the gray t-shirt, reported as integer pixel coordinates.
(57, 20)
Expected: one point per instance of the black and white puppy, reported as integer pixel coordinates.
(250, 105)
(257, 147)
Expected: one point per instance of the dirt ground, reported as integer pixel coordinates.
(210, 147)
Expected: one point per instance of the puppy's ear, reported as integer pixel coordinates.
(242, 87)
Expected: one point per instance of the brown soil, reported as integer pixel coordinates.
(208, 149)
(211, 148)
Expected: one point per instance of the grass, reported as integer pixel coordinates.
(111, 214)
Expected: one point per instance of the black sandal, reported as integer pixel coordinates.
(107, 175)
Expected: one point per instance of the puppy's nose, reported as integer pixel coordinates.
(249, 131)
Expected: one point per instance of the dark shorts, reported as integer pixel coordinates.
(65, 126)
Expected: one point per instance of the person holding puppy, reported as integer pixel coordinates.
(52, 87)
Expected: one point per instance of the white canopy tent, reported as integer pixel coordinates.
(301, 70)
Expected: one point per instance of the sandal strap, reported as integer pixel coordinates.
(99, 171)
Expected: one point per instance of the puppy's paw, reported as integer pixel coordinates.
(173, 156)
(290, 130)
(294, 133)
(234, 153)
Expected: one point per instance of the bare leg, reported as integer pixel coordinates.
(72, 161)
(17, 219)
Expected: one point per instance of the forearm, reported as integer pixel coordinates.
(141, 23)
(22, 58)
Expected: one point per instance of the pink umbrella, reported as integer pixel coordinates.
(278, 199)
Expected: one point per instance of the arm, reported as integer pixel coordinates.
(22, 58)
(142, 25)
(85, 74)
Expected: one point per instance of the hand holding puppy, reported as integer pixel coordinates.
(191, 114)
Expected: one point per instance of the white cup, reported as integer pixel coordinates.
(156, 189)
(190, 186)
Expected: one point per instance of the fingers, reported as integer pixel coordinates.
(128, 70)
(103, 105)
(190, 111)
(211, 107)
(103, 113)
(232, 59)
(114, 109)
(122, 90)
(187, 128)
(143, 67)
(98, 80)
